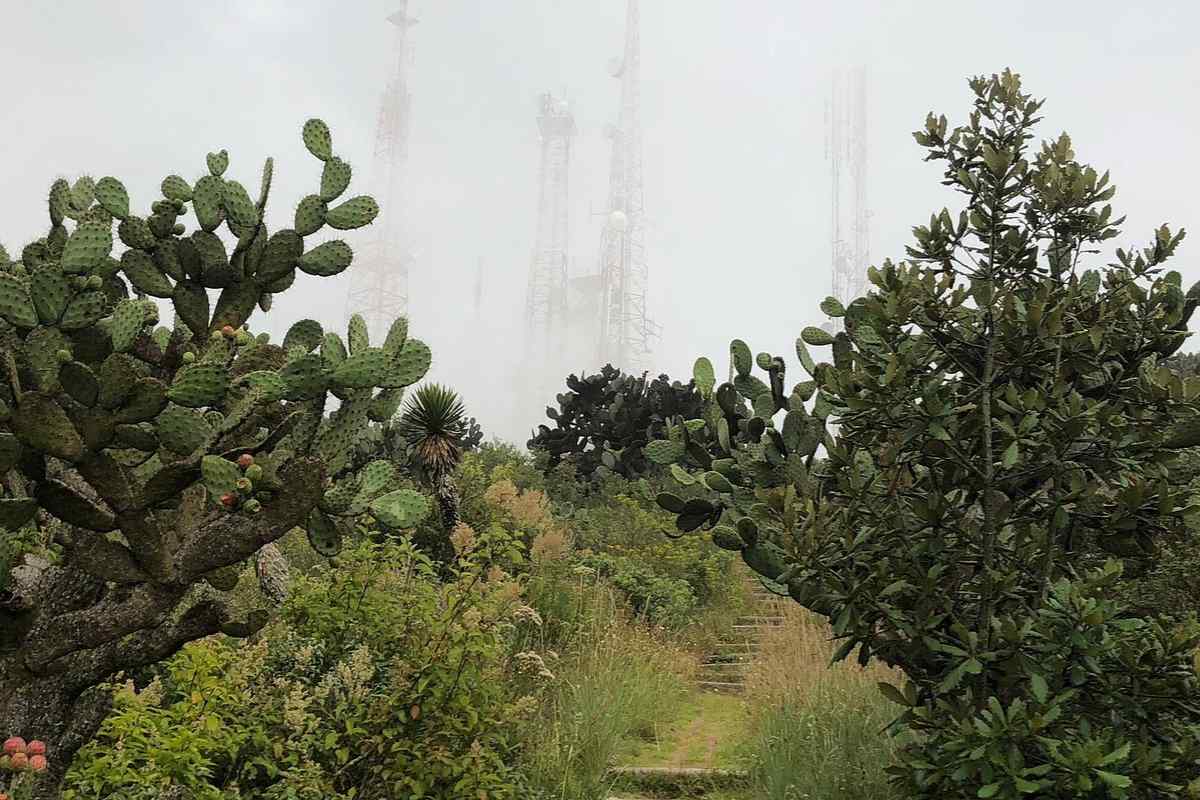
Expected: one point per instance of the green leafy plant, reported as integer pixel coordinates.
(1003, 426)
(377, 680)
(171, 455)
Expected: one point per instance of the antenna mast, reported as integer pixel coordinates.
(379, 279)
(625, 329)
(847, 152)
(546, 297)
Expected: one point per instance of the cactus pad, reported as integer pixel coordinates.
(354, 213)
(400, 509)
(304, 377)
(144, 275)
(16, 306)
(182, 430)
(397, 334)
(335, 177)
(816, 336)
(318, 139)
(306, 333)
(238, 205)
(80, 382)
(49, 291)
(86, 247)
(113, 197)
(411, 365)
(332, 350)
(370, 367)
(218, 162)
(129, 317)
(176, 188)
(199, 385)
(83, 311)
(219, 476)
(207, 200)
(147, 398)
(310, 215)
(41, 424)
(60, 201)
(326, 259)
(323, 534)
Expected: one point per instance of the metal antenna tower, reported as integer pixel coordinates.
(625, 329)
(846, 148)
(379, 278)
(546, 298)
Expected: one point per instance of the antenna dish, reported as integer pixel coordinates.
(615, 67)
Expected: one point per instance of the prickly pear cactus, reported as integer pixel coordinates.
(603, 422)
(170, 454)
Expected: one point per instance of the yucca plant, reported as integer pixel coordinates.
(433, 425)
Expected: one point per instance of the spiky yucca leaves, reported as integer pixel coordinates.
(1003, 422)
(434, 424)
(163, 458)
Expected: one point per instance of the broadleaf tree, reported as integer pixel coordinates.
(1001, 440)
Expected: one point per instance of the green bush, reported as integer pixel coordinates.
(656, 598)
(375, 682)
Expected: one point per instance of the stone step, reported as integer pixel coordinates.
(741, 660)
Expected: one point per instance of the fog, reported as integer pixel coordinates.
(733, 95)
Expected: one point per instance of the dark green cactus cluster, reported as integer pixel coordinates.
(92, 388)
(605, 420)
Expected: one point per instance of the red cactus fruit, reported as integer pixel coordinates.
(38, 763)
(245, 460)
(14, 744)
(228, 500)
(36, 748)
(20, 760)
(228, 331)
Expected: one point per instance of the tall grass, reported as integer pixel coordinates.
(618, 679)
(816, 730)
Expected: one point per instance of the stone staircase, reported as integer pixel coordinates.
(724, 669)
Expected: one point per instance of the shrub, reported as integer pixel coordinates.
(377, 681)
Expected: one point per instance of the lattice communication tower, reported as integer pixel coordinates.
(846, 149)
(379, 278)
(546, 296)
(626, 331)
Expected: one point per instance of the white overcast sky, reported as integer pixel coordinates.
(737, 183)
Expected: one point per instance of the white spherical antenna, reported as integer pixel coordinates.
(615, 67)
(618, 221)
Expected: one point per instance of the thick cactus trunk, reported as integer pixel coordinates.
(50, 709)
